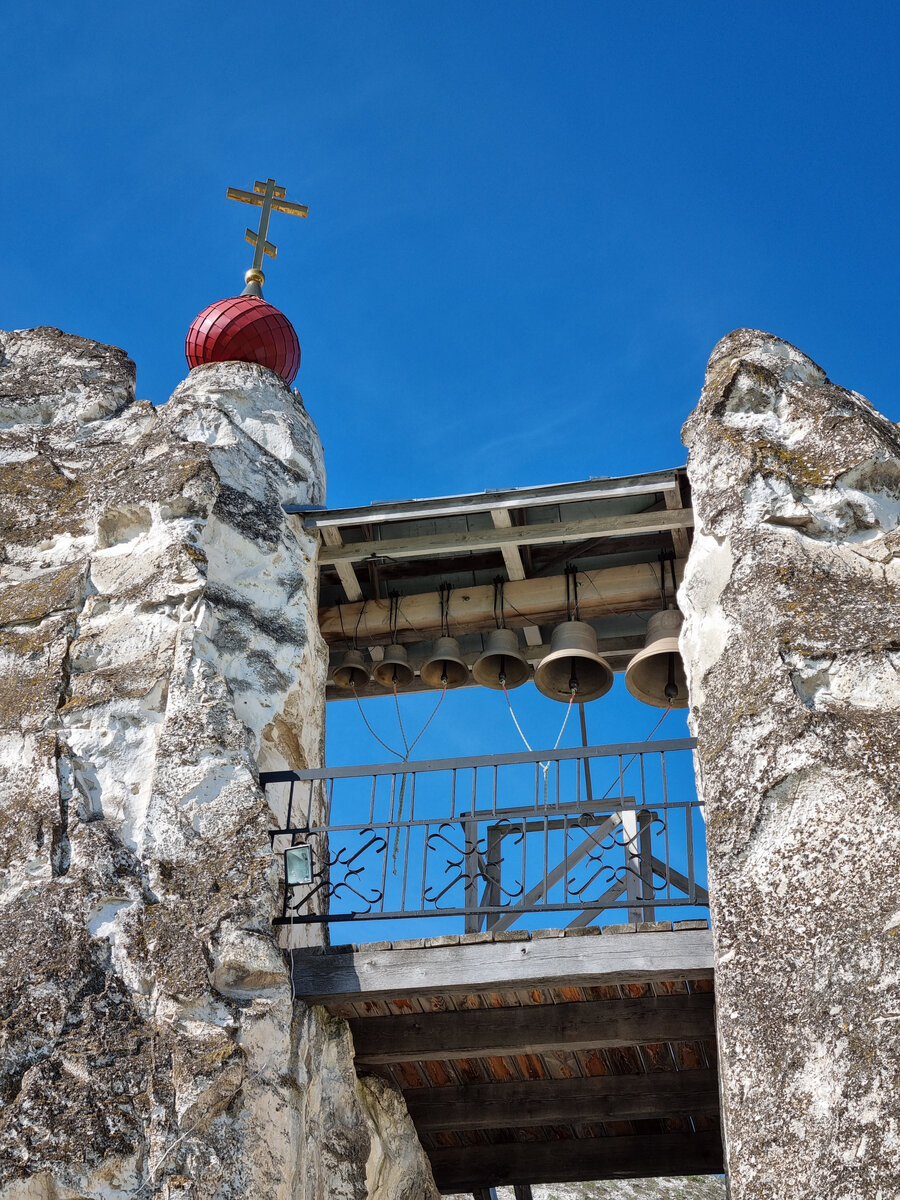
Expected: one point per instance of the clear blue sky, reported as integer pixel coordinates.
(529, 223)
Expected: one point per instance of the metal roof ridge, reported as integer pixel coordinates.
(515, 497)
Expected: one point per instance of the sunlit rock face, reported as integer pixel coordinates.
(792, 646)
(158, 646)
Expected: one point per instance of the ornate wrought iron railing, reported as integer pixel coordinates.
(493, 839)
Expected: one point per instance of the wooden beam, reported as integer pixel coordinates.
(580, 961)
(346, 574)
(515, 568)
(532, 1029)
(464, 1168)
(529, 497)
(679, 536)
(516, 1104)
(434, 545)
(608, 592)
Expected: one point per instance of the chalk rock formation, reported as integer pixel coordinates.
(158, 645)
(792, 646)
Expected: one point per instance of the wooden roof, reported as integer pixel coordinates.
(611, 530)
(540, 1058)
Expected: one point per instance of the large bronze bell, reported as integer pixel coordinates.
(656, 673)
(394, 668)
(353, 671)
(502, 665)
(446, 666)
(573, 665)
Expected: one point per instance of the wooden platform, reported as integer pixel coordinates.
(542, 1058)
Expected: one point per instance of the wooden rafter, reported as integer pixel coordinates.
(532, 1103)
(515, 568)
(346, 574)
(462, 1168)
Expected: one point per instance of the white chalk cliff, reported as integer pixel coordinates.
(158, 647)
(792, 649)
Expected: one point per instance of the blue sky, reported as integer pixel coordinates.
(529, 223)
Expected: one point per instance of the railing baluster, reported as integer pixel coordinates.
(290, 804)
(665, 795)
(689, 840)
(409, 828)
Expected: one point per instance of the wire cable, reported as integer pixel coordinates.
(545, 766)
(634, 756)
(380, 741)
(400, 723)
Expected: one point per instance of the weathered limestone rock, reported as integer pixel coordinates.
(158, 645)
(792, 645)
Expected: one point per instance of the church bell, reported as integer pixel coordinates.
(446, 666)
(573, 665)
(353, 671)
(502, 665)
(656, 673)
(394, 668)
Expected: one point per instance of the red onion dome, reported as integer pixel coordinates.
(246, 329)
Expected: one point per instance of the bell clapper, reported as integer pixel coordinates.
(671, 685)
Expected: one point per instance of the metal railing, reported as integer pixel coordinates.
(491, 839)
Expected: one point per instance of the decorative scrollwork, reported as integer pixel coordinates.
(335, 876)
(473, 858)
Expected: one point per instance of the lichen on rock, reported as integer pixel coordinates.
(792, 647)
(158, 647)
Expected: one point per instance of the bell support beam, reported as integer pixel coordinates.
(434, 545)
(609, 592)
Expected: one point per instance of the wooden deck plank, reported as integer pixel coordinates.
(498, 966)
(535, 1030)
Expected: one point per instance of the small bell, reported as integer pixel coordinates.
(445, 667)
(502, 665)
(574, 666)
(656, 674)
(394, 668)
(353, 671)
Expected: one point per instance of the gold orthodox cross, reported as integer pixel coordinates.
(270, 198)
